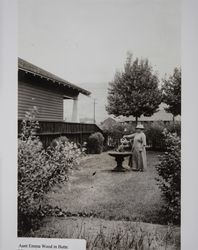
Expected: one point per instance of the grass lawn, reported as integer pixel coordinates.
(129, 196)
(104, 206)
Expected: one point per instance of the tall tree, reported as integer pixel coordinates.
(134, 91)
(172, 92)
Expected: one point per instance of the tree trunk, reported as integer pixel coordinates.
(173, 119)
(136, 120)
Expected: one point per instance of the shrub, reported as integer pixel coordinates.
(116, 132)
(95, 143)
(155, 136)
(169, 170)
(38, 171)
(174, 127)
(29, 125)
(62, 139)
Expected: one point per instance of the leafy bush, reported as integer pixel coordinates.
(95, 143)
(38, 171)
(62, 139)
(116, 132)
(155, 136)
(169, 170)
(174, 127)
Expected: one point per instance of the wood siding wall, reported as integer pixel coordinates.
(49, 103)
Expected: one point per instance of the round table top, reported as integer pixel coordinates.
(117, 153)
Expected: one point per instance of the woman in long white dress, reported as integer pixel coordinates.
(138, 160)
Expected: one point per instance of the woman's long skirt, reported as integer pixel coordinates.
(137, 160)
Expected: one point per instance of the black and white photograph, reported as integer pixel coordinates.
(99, 122)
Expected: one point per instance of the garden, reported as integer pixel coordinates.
(69, 191)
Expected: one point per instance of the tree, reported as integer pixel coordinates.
(135, 91)
(172, 93)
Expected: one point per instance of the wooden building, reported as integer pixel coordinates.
(46, 91)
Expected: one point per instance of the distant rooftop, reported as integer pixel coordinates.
(35, 70)
(160, 115)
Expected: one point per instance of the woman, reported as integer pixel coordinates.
(138, 158)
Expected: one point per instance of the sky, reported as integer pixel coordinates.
(86, 41)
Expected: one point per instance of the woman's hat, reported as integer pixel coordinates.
(140, 126)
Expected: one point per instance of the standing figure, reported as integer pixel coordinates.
(138, 160)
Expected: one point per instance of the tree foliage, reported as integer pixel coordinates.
(135, 91)
(172, 92)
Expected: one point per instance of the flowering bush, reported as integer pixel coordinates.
(38, 171)
(169, 170)
(95, 143)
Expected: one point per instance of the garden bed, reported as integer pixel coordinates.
(105, 234)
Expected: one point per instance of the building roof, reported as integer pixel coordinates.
(35, 70)
(107, 123)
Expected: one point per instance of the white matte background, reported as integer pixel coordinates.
(189, 125)
(8, 124)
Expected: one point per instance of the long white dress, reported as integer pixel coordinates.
(138, 161)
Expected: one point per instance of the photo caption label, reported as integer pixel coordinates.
(40, 243)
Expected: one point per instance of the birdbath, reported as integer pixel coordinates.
(119, 158)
